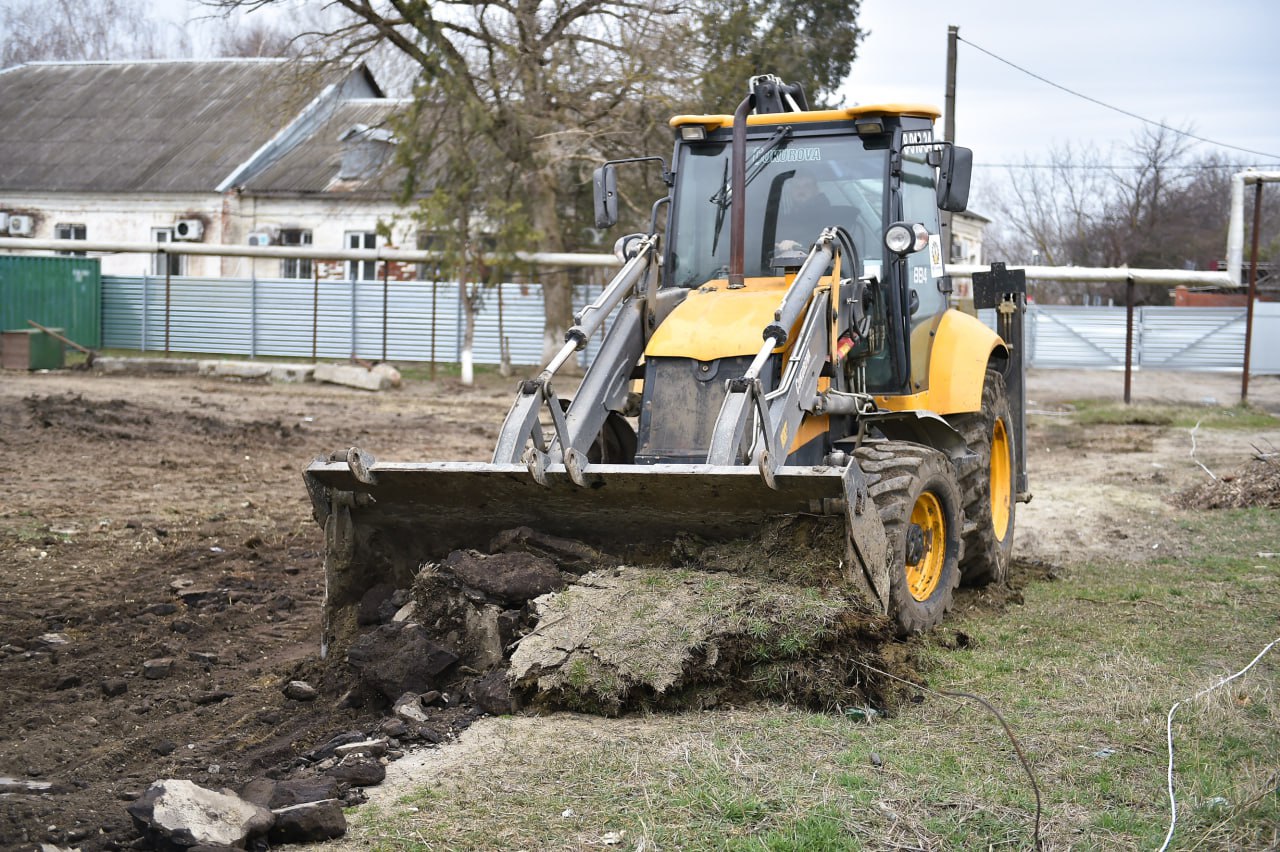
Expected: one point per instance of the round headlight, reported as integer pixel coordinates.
(898, 238)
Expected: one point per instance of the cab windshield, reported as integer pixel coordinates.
(797, 185)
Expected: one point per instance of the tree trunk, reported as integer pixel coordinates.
(557, 290)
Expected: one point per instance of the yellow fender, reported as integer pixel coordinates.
(962, 348)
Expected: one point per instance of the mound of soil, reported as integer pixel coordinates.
(1256, 484)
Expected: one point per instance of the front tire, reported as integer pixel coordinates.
(915, 491)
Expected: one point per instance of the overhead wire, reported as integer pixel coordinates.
(1120, 110)
(1125, 166)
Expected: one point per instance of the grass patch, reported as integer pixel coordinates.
(1092, 412)
(1084, 671)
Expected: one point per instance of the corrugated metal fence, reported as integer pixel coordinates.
(1193, 339)
(280, 317)
(423, 320)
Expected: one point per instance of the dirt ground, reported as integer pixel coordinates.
(164, 519)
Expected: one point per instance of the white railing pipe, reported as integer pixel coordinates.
(311, 252)
(1235, 226)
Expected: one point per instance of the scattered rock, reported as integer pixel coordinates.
(157, 669)
(67, 682)
(174, 814)
(355, 376)
(394, 728)
(214, 697)
(328, 749)
(370, 603)
(300, 690)
(164, 747)
(371, 748)
(308, 822)
(113, 687)
(203, 658)
(297, 791)
(492, 694)
(399, 658)
(23, 785)
(358, 771)
(409, 708)
(511, 578)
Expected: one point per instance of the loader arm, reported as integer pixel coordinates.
(604, 384)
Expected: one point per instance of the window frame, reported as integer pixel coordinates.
(296, 267)
(353, 240)
(177, 263)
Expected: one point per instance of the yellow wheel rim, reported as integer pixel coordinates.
(1001, 481)
(924, 574)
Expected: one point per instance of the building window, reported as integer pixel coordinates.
(70, 232)
(295, 267)
(362, 270)
(170, 264)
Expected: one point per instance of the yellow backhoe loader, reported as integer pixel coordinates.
(779, 343)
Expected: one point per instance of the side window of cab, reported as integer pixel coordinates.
(920, 204)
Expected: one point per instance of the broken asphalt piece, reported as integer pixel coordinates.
(398, 658)
(157, 669)
(358, 771)
(177, 814)
(300, 690)
(308, 822)
(409, 708)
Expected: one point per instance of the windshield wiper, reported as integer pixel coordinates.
(724, 196)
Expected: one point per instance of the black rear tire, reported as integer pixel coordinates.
(988, 538)
(905, 479)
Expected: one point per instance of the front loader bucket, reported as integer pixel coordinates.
(380, 527)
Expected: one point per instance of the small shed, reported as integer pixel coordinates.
(58, 292)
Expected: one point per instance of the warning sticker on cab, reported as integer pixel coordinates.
(935, 255)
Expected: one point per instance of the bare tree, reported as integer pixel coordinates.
(256, 38)
(59, 30)
(519, 99)
(1152, 204)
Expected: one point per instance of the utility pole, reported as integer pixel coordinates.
(949, 114)
(949, 122)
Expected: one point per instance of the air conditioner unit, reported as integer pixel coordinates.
(21, 226)
(188, 229)
(261, 238)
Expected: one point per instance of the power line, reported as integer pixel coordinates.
(1114, 108)
(1125, 167)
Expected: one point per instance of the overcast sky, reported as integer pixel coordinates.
(1212, 66)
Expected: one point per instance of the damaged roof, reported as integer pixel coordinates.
(351, 151)
(160, 126)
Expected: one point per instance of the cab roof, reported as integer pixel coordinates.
(714, 122)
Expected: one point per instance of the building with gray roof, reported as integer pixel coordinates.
(227, 151)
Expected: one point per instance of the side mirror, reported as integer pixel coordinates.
(605, 182)
(954, 174)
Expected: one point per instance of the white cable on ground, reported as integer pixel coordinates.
(1193, 451)
(1173, 802)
